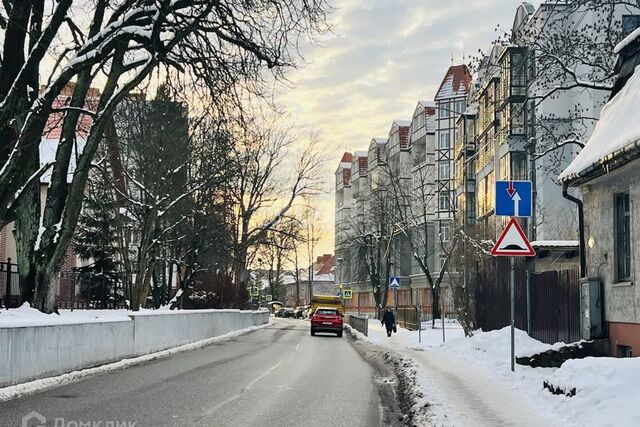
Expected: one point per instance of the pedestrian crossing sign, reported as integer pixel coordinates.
(347, 294)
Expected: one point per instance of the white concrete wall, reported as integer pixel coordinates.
(33, 352)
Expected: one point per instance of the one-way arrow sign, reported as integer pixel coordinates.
(513, 242)
(514, 198)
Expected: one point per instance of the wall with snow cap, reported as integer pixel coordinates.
(33, 352)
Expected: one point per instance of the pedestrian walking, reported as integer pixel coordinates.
(389, 321)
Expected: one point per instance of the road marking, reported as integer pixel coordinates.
(243, 391)
(297, 347)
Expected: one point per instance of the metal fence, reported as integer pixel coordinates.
(74, 291)
(359, 323)
(10, 291)
(547, 305)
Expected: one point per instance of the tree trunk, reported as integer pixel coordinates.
(435, 306)
(25, 233)
(46, 286)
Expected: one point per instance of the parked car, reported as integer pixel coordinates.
(298, 313)
(326, 319)
(288, 312)
(280, 312)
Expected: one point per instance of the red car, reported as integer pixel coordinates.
(326, 319)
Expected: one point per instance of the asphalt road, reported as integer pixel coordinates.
(279, 375)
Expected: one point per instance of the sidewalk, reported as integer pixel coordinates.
(468, 381)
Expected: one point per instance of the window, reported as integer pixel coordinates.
(629, 24)
(444, 140)
(445, 232)
(622, 237)
(444, 110)
(443, 168)
(443, 201)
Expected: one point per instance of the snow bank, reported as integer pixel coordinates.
(494, 344)
(616, 131)
(27, 316)
(607, 391)
(467, 381)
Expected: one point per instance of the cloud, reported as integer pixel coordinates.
(381, 58)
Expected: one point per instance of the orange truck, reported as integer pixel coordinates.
(326, 301)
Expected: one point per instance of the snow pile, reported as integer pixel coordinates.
(37, 386)
(497, 344)
(616, 131)
(455, 377)
(27, 316)
(606, 389)
(415, 340)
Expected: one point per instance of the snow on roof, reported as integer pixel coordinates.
(345, 165)
(427, 103)
(555, 244)
(361, 154)
(402, 122)
(616, 131)
(379, 140)
(627, 41)
(455, 83)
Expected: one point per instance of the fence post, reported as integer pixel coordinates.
(7, 282)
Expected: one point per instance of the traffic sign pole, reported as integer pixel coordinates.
(513, 311)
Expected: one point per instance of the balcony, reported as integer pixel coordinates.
(485, 156)
(503, 135)
(462, 143)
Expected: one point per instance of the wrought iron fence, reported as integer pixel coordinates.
(74, 291)
(10, 290)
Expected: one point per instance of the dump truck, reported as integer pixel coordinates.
(326, 301)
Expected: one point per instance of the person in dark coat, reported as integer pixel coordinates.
(389, 321)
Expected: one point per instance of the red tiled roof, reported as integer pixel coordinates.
(53, 128)
(325, 263)
(455, 83)
(346, 158)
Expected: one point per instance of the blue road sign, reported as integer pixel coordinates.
(394, 282)
(514, 198)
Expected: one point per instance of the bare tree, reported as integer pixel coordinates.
(431, 242)
(568, 52)
(266, 187)
(222, 44)
(372, 239)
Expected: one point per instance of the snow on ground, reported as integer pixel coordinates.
(37, 386)
(468, 381)
(27, 316)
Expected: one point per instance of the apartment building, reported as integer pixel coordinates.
(450, 102)
(515, 122)
(343, 202)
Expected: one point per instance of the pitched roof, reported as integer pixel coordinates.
(455, 83)
(346, 157)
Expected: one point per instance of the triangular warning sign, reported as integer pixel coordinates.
(513, 242)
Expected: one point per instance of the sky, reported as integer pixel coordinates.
(380, 59)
